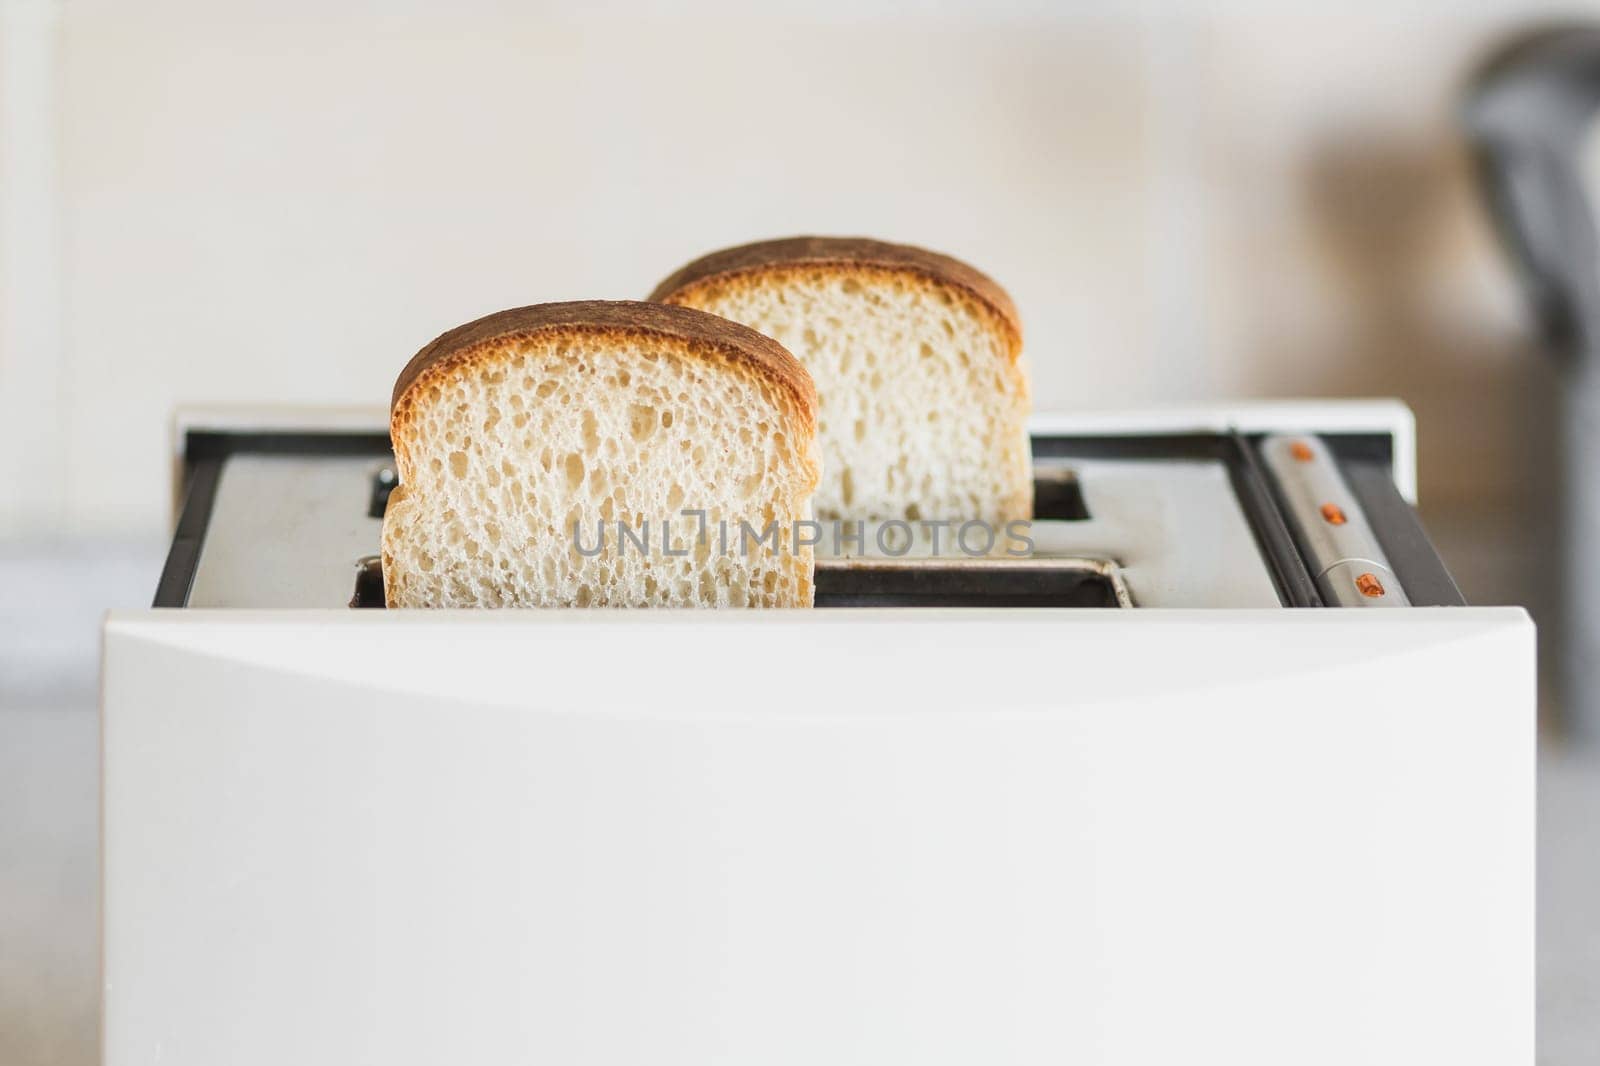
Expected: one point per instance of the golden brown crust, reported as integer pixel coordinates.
(696, 329)
(844, 253)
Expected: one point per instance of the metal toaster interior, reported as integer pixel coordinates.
(1216, 519)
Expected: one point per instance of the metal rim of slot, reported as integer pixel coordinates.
(1103, 568)
(369, 570)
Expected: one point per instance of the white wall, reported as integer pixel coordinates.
(279, 203)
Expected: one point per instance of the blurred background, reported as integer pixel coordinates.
(255, 202)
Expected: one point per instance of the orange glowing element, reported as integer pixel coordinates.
(1369, 585)
(1301, 451)
(1332, 515)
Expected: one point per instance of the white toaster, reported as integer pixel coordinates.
(1226, 773)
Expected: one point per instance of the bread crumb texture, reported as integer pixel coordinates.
(922, 404)
(504, 448)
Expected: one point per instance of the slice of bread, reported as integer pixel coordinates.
(915, 359)
(510, 430)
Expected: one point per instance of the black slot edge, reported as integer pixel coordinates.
(368, 592)
(177, 575)
(1366, 447)
(1296, 585)
(1059, 498)
(962, 587)
(1251, 488)
(1133, 446)
(1088, 596)
(215, 444)
(383, 484)
(1400, 534)
(888, 587)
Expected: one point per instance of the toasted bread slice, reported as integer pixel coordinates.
(923, 403)
(526, 440)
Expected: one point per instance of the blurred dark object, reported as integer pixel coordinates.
(1533, 113)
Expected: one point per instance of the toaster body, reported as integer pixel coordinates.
(1137, 829)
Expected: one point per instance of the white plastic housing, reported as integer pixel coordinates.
(1090, 837)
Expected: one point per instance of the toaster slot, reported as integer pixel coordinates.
(987, 582)
(992, 582)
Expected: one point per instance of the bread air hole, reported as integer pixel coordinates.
(458, 464)
(574, 467)
(641, 421)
